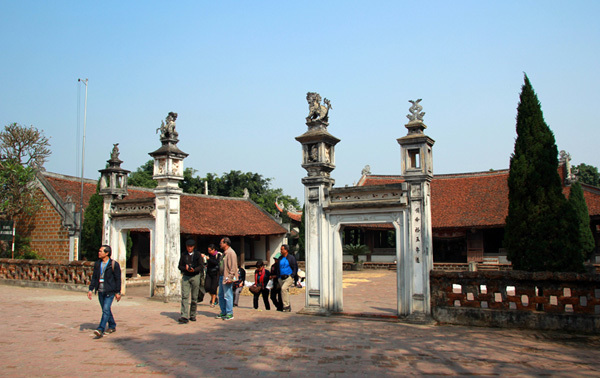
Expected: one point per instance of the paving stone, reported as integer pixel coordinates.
(56, 327)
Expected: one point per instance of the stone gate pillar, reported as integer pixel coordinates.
(168, 171)
(417, 171)
(113, 186)
(318, 160)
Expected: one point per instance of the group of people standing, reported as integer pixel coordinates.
(225, 278)
(216, 273)
(283, 275)
(213, 273)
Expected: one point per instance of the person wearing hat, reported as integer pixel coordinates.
(191, 264)
(261, 279)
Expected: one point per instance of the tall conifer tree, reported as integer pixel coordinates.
(541, 227)
(577, 201)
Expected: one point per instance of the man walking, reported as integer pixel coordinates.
(228, 276)
(191, 264)
(106, 282)
(287, 270)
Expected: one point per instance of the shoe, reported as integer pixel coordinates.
(220, 316)
(192, 318)
(228, 317)
(234, 305)
(98, 333)
(287, 309)
(111, 330)
(212, 305)
(182, 320)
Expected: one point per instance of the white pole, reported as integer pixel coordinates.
(85, 82)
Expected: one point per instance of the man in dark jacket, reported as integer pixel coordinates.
(106, 281)
(287, 271)
(191, 264)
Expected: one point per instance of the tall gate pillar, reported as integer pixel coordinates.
(113, 186)
(318, 160)
(168, 171)
(417, 171)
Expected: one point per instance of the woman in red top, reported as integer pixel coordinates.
(261, 278)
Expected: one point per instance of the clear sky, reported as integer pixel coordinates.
(237, 72)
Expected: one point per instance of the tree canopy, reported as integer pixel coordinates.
(23, 151)
(588, 174)
(143, 176)
(24, 145)
(541, 231)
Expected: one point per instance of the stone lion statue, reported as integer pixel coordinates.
(167, 131)
(316, 111)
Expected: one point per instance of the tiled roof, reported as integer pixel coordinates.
(209, 215)
(478, 199)
(200, 215)
(69, 186)
(296, 217)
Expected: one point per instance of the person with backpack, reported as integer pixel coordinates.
(106, 282)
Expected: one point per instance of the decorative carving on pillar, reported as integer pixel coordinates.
(167, 130)
(415, 111)
(417, 160)
(113, 180)
(168, 159)
(570, 173)
(318, 153)
(318, 115)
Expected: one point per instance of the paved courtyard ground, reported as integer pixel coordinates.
(48, 332)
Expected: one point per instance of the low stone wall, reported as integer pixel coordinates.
(550, 301)
(76, 273)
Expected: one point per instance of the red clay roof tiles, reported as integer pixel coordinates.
(200, 215)
(477, 199)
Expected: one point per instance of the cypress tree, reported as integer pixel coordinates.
(577, 201)
(541, 227)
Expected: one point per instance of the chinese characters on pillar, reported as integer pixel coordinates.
(417, 234)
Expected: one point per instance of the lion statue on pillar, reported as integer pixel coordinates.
(317, 113)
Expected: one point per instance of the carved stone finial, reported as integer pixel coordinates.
(114, 155)
(366, 170)
(415, 111)
(570, 173)
(167, 130)
(317, 114)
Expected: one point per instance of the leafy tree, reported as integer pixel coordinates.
(91, 233)
(577, 201)
(23, 151)
(17, 196)
(541, 227)
(26, 146)
(191, 184)
(143, 176)
(588, 174)
(232, 184)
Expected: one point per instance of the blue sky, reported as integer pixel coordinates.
(237, 72)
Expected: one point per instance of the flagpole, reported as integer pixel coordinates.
(85, 82)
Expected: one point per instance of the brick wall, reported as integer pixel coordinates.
(544, 300)
(48, 237)
(74, 272)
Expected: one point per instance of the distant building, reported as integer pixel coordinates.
(468, 216)
(54, 229)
